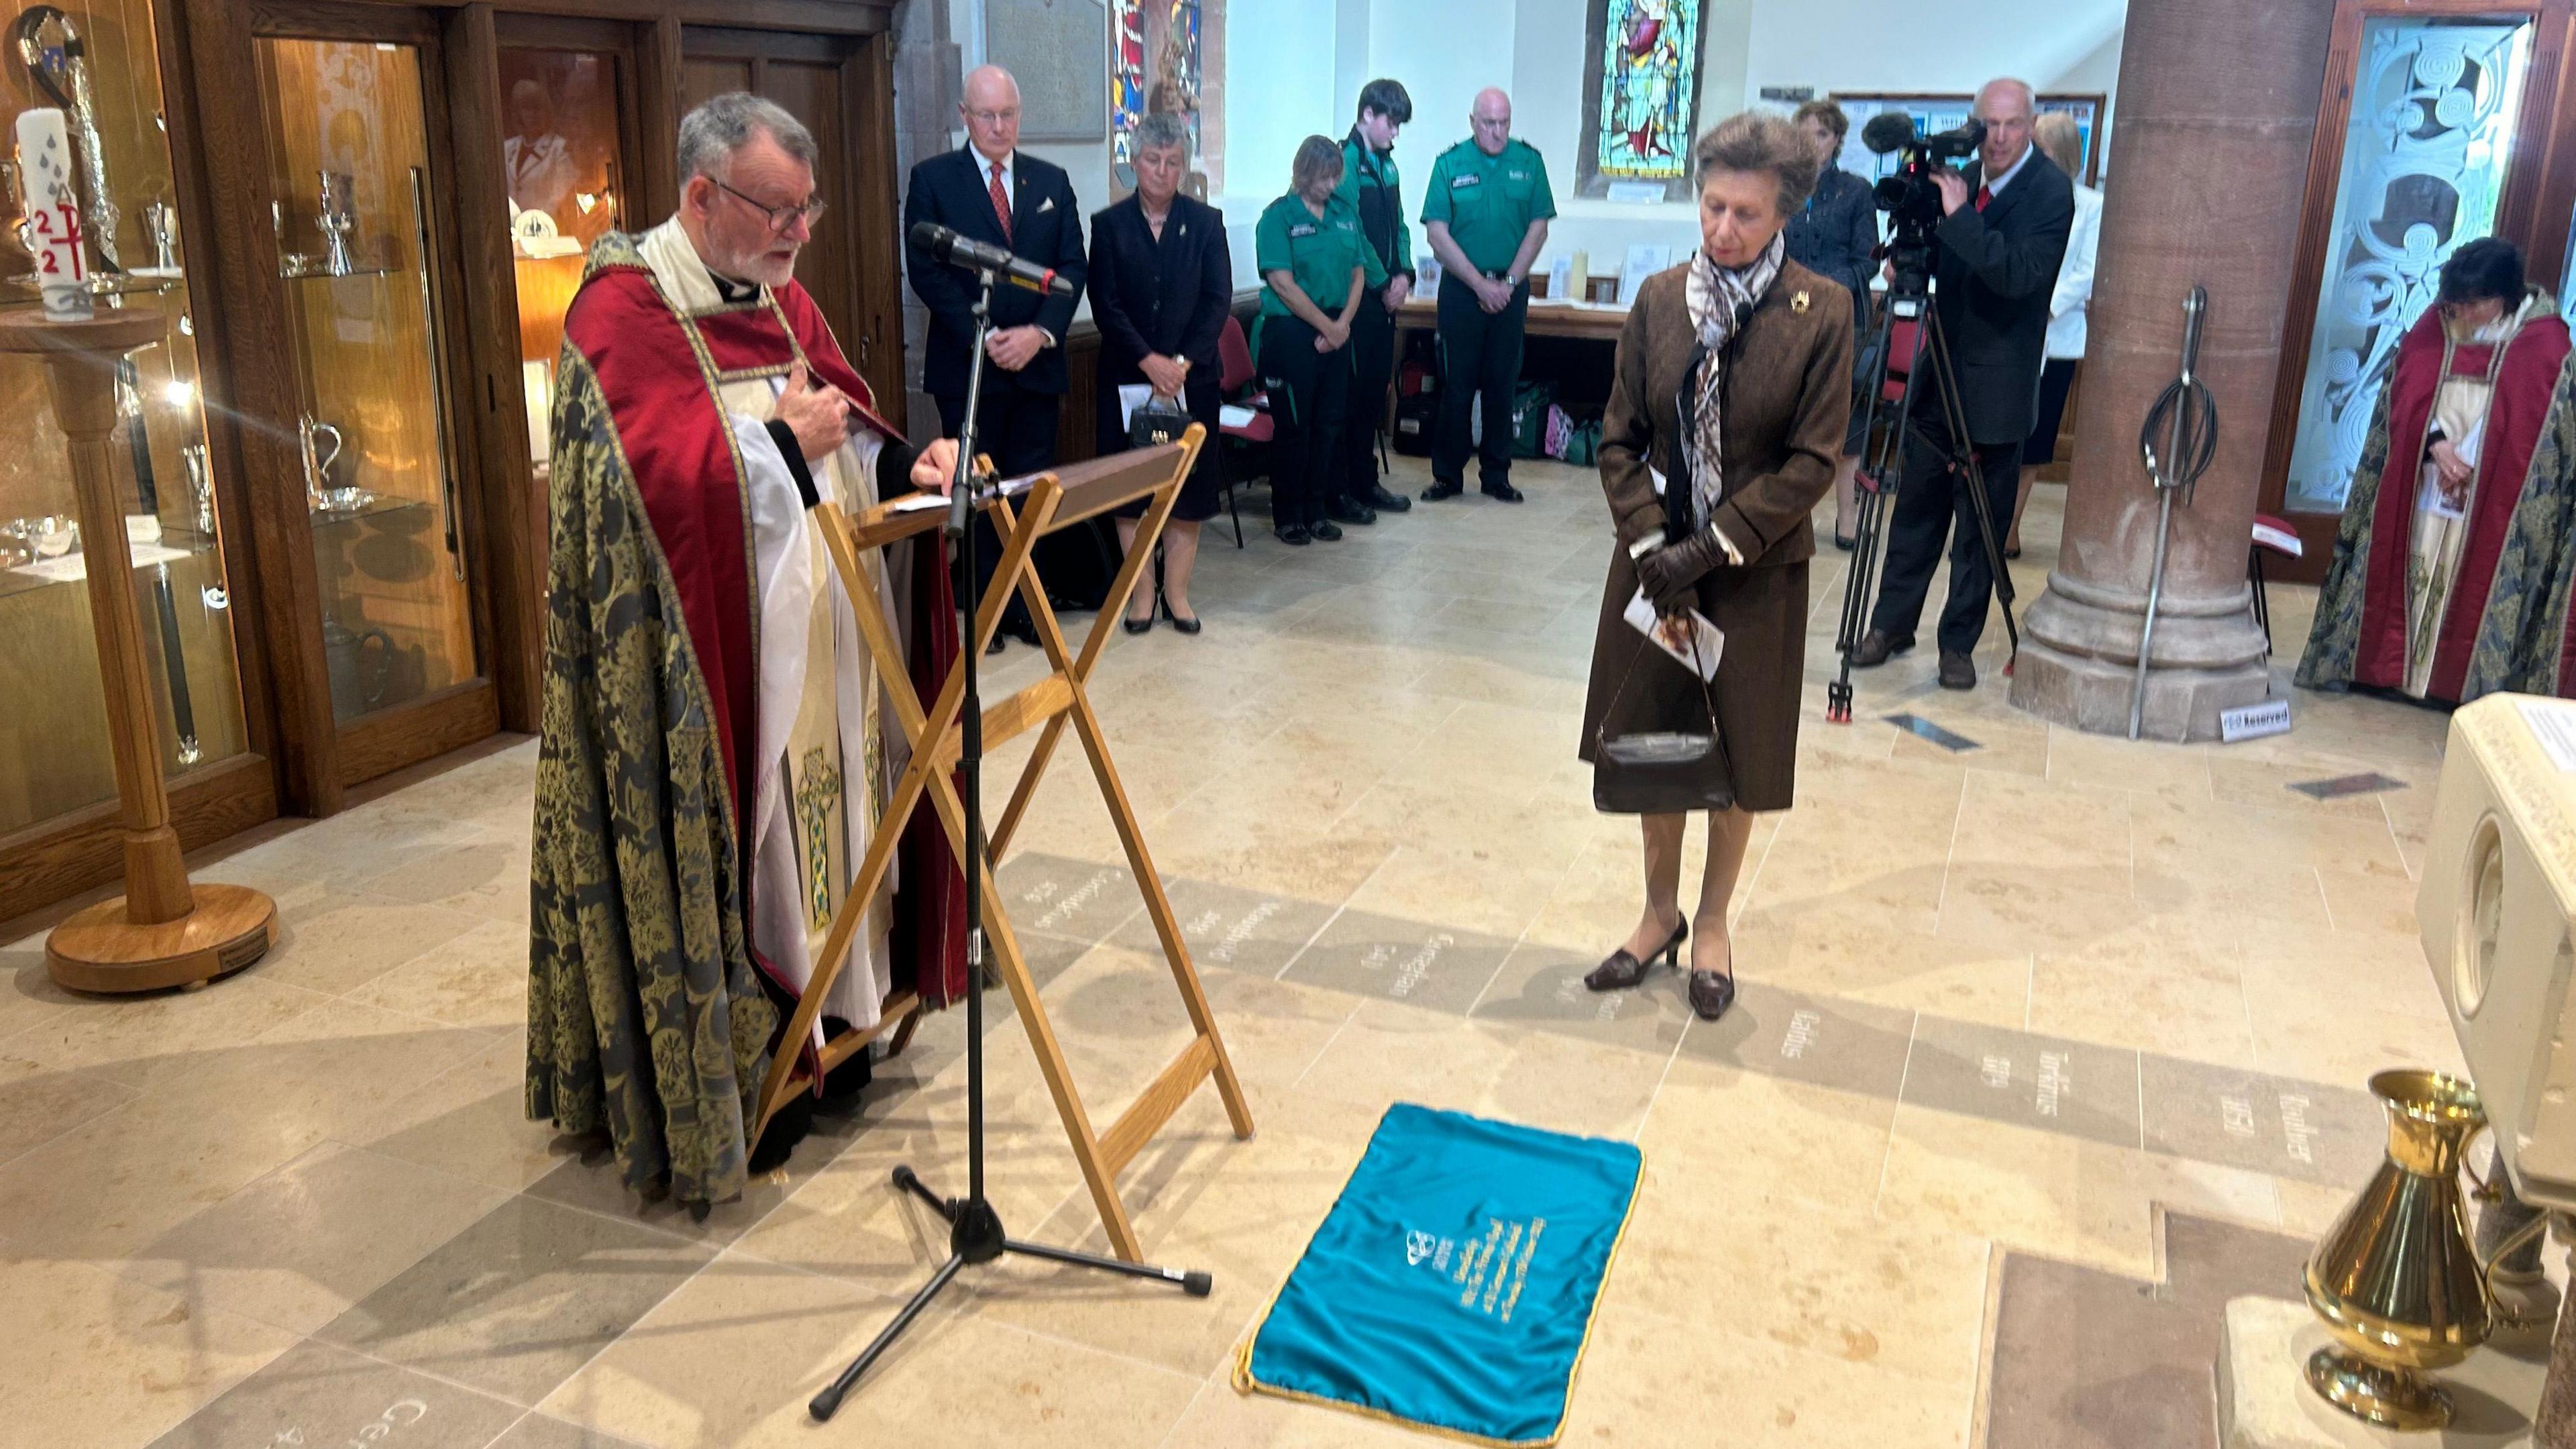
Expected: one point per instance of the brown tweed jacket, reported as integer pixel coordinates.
(1787, 405)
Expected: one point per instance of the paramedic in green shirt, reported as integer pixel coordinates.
(1369, 184)
(1315, 266)
(1485, 213)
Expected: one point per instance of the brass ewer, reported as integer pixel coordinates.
(2397, 1280)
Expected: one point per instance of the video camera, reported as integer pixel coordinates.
(1907, 194)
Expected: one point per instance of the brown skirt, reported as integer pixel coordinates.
(1763, 614)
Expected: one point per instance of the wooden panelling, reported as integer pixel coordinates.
(72, 853)
(386, 741)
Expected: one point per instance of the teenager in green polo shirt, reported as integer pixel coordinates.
(1314, 264)
(1485, 214)
(1370, 185)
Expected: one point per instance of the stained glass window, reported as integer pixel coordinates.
(1156, 66)
(2433, 110)
(1641, 105)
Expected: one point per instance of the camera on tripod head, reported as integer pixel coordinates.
(1908, 194)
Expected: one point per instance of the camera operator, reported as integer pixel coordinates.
(2003, 232)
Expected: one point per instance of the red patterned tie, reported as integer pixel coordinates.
(1002, 201)
(1984, 195)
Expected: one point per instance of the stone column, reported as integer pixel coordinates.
(2215, 113)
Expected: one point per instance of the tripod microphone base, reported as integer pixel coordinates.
(975, 1236)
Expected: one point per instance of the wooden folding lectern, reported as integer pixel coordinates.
(1051, 501)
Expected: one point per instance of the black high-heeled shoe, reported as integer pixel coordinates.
(1621, 969)
(1137, 626)
(1190, 625)
(1711, 993)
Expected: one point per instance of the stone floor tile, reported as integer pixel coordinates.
(91, 1358)
(315, 1393)
(478, 979)
(340, 941)
(516, 1304)
(300, 1245)
(39, 1104)
(955, 1378)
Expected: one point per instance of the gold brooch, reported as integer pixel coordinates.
(1798, 303)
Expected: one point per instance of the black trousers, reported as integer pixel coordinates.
(1016, 427)
(1480, 356)
(1930, 504)
(1309, 394)
(1372, 351)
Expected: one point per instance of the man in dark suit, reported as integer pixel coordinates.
(991, 191)
(2002, 235)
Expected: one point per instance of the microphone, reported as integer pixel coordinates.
(975, 256)
(1887, 131)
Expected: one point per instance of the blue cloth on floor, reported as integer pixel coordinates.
(1453, 1284)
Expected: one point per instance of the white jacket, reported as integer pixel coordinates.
(2066, 307)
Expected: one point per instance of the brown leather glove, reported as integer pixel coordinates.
(1670, 575)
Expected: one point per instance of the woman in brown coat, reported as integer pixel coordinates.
(1724, 426)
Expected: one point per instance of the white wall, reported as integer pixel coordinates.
(1294, 67)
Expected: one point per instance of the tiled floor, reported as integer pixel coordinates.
(2009, 997)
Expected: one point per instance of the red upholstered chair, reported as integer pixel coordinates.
(1235, 384)
(2271, 535)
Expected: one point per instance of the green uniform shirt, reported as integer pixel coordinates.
(1381, 177)
(1488, 201)
(1318, 252)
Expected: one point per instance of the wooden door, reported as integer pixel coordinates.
(2441, 121)
(841, 87)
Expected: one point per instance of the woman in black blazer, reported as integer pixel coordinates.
(1162, 283)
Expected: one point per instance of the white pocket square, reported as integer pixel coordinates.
(1046, 206)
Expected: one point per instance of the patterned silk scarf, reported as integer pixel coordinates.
(1718, 298)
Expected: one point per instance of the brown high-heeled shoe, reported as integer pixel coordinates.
(1621, 969)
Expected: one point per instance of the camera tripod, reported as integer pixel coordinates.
(975, 1233)
(1882, 469)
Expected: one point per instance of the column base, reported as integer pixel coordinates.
(2079, 655)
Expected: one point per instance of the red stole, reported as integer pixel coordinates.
(679, 447)
(2515, 416)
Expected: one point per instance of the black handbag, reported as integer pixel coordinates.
(1660, 772)
(1160, 420)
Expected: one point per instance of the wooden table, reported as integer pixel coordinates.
(1581, 321)
(1593, 321)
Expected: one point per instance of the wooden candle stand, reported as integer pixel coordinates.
(162, 932)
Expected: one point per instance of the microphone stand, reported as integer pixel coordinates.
(975, 1233)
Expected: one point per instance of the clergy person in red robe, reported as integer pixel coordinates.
(716, 751)
(2450, 574)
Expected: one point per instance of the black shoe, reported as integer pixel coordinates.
(1957, 670)
(1342, 510)
(1322, 531)
(1023, 629)
(1846, 542)
(2012, 550)
(1878, 646)
(1190, 625)
(995, 647)
(1621, 970)
(1711, 993)
(1502, 492)
(1441, 489)
(1386, 502)
(1293, 534)
(1137, 626)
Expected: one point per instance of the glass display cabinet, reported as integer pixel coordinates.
(358, 263)
(97, 64)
